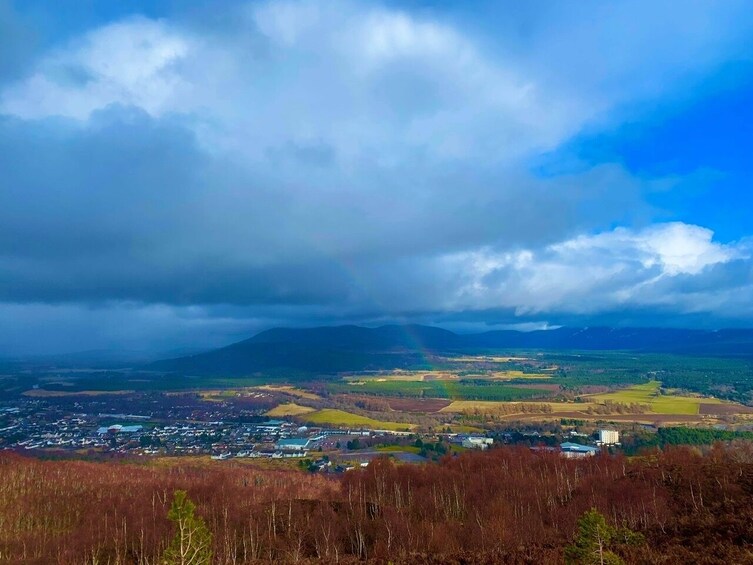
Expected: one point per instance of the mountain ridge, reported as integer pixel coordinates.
(331, 349)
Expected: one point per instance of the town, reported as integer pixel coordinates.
(51, 426)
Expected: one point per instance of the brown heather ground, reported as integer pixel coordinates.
(504, 506)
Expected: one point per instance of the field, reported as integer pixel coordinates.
(425, 405)
(645, 402)
(341, 418)
(291, 390)
(424, 376)
(467, 389)
(477, 389)
(651, 395)
(511, 408)
(289, 409)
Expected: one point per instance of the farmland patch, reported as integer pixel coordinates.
(418, 404)
(289, 409)
(341, 418)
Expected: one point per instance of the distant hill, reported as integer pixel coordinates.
(353, 348)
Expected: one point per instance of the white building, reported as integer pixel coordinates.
(292, 444)
(577, 451)
(474, 442)
(609, 437)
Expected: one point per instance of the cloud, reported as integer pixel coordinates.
(129, 63)
(19, 43)
(380, 83)
(661, 265)
(332, 161)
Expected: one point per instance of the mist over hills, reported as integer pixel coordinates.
(355, 348)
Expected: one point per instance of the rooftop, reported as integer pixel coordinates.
(293, 441)
(569, 446)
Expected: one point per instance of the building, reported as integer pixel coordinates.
(270, 426)
(119, 429)
(577, 451)
(609, 437)
(476, 442)
(292, 444)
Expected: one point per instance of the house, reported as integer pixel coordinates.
(609, 437)
(576, 450)
(477, 442)
(292, 444)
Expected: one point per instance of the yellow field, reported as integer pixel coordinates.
(463, 429)
(487, 359)
(509, 375)
(421, 376)
(403, 376)
(291, 390)
(647, 394)
(650, 394)
(342, 418)
(221, 394)
(289, 409)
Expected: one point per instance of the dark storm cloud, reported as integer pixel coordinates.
(129, 207)
(313, 162)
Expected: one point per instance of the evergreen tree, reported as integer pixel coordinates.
(192, 544)
(591, 546)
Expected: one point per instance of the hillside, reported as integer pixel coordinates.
(327, 350)
(509, 505)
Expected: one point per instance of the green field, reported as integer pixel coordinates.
(341, 418)
(453, 390)
(650, 394)
(399, 448)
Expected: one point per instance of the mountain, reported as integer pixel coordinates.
(335, 349)
(710, 342)
(360, 338)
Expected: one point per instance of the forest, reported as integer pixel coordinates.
(508, 505)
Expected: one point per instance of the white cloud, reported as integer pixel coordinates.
(267, 161)
(376, 83)
(677, 248)
(591, 273)
(134, 62)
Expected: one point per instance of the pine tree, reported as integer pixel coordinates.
(591, 547)
(192, 544)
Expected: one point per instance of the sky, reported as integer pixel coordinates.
(186, 173)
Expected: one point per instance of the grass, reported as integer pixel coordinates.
(341, 418)
(464, 429)
(510, 375)
(399, 448)
(291, 390)
(406, 376)
(433, 376)
(289, 409)
(454, 390)
(647, 394)
(650, 394)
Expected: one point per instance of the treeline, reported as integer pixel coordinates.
(508, 505)
(691, 436)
